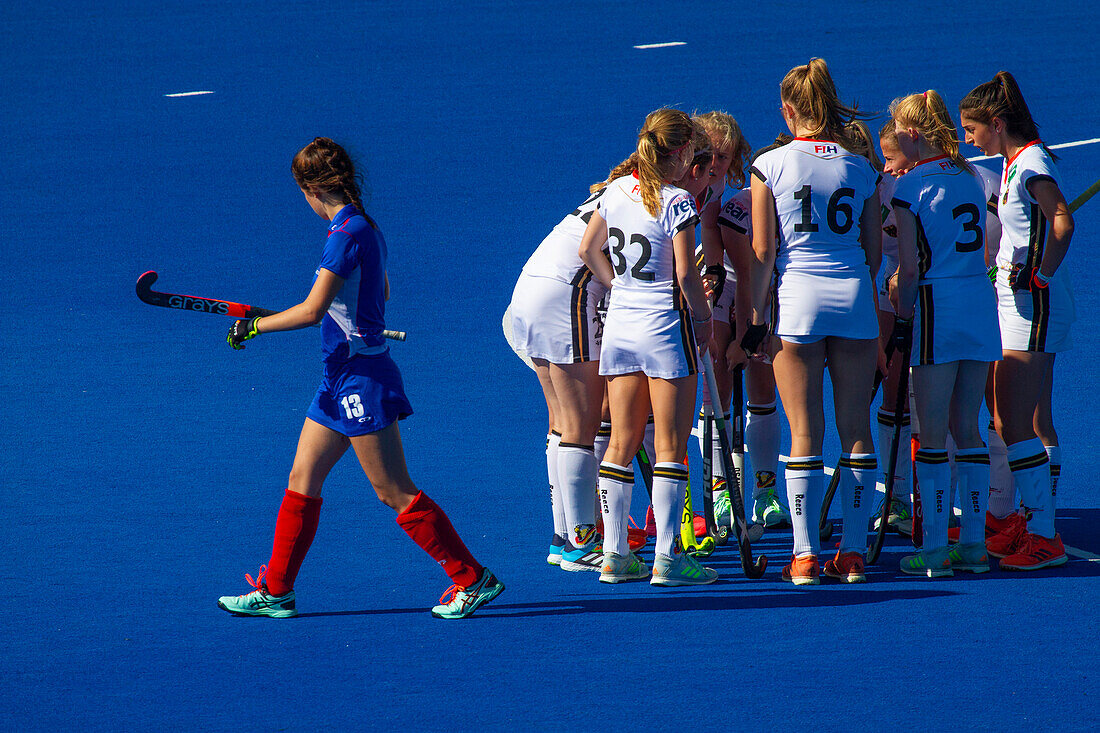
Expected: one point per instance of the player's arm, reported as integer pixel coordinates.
(711, 234)
(311, 310)
(691, 284)
(591, 249)
(870, 233)
(1054, 206)
(763, 249)
(907, 262)
(738, 247)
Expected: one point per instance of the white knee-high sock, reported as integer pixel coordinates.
(972, 465)
(603, 438)
(577, 470)
(1031, 472)
(616, 485)
(669, 483)
(1002, 489)
(556, 501)
(858, 472)
(717, 467)
(647, 442)
(805, 479)
(934, 477)
(762, 444)
(1054, 453)
(952, 449)
(904, 467)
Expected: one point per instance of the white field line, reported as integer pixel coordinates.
(662, 45)
(1083, 554)
(1073, 144)
(189, 94)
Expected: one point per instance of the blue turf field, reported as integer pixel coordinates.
(144, 460)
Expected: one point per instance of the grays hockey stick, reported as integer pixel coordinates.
(200, 304)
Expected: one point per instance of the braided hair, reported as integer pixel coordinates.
(326, 166)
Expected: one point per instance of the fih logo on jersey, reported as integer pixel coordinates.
(830, 149)
(583, 534)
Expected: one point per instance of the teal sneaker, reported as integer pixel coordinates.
(461, 602)
(680, 570)
(971, 557)
(899, 518)
(933, 563)
(259, 602)
(769, 511)
(619, 569)
(580, 559)
(553, 555)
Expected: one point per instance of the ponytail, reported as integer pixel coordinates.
(863, 144)
(665, 133)
(1001, 97)
(625, 168)
(927, 114)
(811, 91)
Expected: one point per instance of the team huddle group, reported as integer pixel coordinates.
(916, 266)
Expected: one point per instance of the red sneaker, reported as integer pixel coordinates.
(1036, 552)
(1009, 540)
(801, 571)
(993, 525)
(650, 523)
(636, 538)
(699, 524)
(847, 567)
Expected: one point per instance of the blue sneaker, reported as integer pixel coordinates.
(933, 563)
(579, 559)
(461, 602)
(259, 602)
(553, 556)
(619, 569)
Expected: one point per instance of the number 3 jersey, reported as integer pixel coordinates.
(820, 189)
(949, 205)
(641, 245)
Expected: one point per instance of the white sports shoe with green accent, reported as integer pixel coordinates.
(461, 602)
(680, 570)
(769, 511)
(259, 602)
(619, 569)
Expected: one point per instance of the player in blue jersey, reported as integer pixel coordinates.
(940, 207)
(1036, 310)
(358, 404)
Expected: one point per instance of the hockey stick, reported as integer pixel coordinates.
(211, 305)
(753, 569)
(1087, 194)
(698, 547)
(708, 476)
(900, 403)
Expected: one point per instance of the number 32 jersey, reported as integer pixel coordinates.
(949, 205)
(641, 245)
(819, 189)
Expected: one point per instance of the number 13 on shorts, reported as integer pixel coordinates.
(353, 406)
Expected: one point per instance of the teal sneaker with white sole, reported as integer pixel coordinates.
(680, 570)
(553, 555)
(970, 557)
(461, 602)
(260, 602)
(619, 569)
(933, 563)
(769, 511)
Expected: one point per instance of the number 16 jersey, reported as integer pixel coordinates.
(640, 245)
(819, 189)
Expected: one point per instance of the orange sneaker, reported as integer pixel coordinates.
(1035, 552)
(847, 567)
(636, 538)
(801, 571)
(1008, 540)
(993, 525)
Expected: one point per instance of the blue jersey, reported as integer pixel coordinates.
(356, 251)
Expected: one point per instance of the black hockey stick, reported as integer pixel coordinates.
(892, 463)
(753, 569)
(211, 305)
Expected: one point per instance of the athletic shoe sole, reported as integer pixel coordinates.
(1051, 563)
(259, 614)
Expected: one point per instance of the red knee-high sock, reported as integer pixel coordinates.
(294, 530)
(429, 527)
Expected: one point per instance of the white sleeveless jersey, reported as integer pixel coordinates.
(641, 245)
(1023, 224)
(820, 189)
(736, 214)
(949, 205)
(557, 256)
(991, 185)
